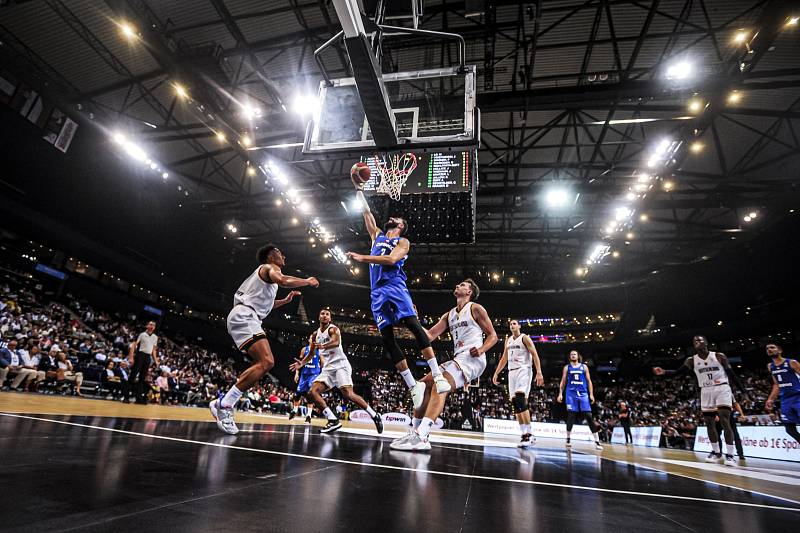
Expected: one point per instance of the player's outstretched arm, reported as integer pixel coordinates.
(561, 385)
(437, 329)
(369, 218)
(501, 364)
(301, 362)
(685, 367)
(290, 282)
(284, 301)
(535, 357)
(399, 252)
(482, 318)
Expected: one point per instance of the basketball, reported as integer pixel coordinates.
(360, 173)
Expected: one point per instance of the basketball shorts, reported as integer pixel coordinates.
(391, 303)
(464, 368)
(716, 396)
(790, 410)
(304, 384)
(578, 404)
(335, 378)
(244, 327)
(519, 380)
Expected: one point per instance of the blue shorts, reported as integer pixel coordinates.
(578, 404)
(390, 303)
(790, 410)
(304, 385)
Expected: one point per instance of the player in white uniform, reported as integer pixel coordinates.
(521, 356)
(713, 374)
(473, 335)
(336, 373)
(251, 304)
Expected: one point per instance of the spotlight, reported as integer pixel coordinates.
(220, 136)
(741, 36)
(734, 97)
(630, 196)
(356, 270)
(622, 212)
(305, 207)
(165, 175)
(615, 254)
(305, 104)
(278, 202)
(696, 105)
(643, 217)
(153, 166)
(246, 140)
(629, 236)
(295, 221)
(696, 147)
(679, 70)
(495, 276)
(747, 218)
(312, 240)
(793, 21)
(668, 185)
(581, 271)
(557, 197)
(128, 31)
(753, 214)
(180, 90)
(251, 171)
(512, 281)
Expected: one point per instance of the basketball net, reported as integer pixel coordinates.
(394, 171)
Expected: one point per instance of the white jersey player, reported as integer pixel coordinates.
(713, 374)
(251, 304)
(336, 373)
(473, 335)
(521, 356)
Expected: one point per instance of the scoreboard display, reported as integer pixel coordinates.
(436, 172)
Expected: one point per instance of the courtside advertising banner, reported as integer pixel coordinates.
(768, 442)
(389, 419)
(642, 436)
(539, 429)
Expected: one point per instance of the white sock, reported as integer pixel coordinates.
(370, 411)
(715, 447)
(596, 437)
(526, 428)
(434, 367)
(231, 397)
(568, 434)
(329, 414)
(425, 427)
(408, 377)
(730, 449)
(415, 422)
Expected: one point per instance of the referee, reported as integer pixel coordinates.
(140, 353)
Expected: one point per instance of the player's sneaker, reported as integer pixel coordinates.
(308, 419)
(526, 441)
(378, 423)
(713, 457)
(331, 426)
(417, 394)
(442, 385)
(569, 444)
(730, 460)
(411, 443)
(292, 414)
(224, 417)
(598, 446)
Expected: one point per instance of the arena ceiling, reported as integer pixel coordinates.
(573, 94)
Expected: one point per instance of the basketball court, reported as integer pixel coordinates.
(171, 469)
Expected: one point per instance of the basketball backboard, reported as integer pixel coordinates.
(433, 109)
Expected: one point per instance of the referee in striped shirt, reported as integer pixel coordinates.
(143, 351)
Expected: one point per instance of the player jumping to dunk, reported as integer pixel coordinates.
(391, 300)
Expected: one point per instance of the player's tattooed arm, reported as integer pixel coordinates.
(685, 367)
(535, 357)
(288, 282)
(561, 385)
(501, 364)
(482, 318)
(399, 252)
(437, 329)
(369, 218)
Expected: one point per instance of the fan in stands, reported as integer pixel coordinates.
(360, 174)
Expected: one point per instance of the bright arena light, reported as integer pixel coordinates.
(305, 104)
(165, 175)
(119, 138)
(735, 97)
(251, 171)
(679, 70)
(246, 140)
(622, 213)
(250, 112)
(220, 136)
(740, 37)
(128, 31)
(695, 105)
(304, 207)
(557, 197)
(696, 147)
(180, 90)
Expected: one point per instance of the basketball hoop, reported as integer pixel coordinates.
(394, 171)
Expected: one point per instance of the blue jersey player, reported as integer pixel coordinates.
(786, 382)
(579, 395)
(304, 377)
(391, 300)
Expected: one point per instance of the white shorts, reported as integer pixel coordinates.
(716, 396)
(336, 378)
(519, 380)
(244, 327)
(465, 368)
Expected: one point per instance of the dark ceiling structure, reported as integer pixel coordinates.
(573, 93)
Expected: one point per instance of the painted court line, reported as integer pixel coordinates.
(408, 469)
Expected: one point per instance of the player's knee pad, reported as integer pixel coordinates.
(412, 323)
(520, 402)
